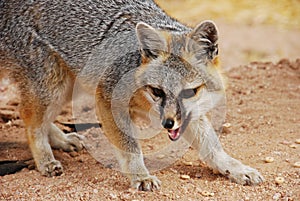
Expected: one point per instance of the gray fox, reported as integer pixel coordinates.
(139, 59)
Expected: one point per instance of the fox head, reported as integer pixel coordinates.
(178, 72)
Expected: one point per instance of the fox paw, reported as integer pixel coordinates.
(245, 175)
(67, 142)
(73, 142)
(52, 168)
(149, 183)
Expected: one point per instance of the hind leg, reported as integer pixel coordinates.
(66, 142)
(39, 107)
(34, 116)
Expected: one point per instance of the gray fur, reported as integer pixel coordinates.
(113, 47)
(72, 28)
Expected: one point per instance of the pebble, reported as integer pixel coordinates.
(188, 163)
(297, 164)
(227, 125)
(206, 193)
(113, 196)
(279, 180)
(184, 176)
(285, 142)
(297, 141)
(269, 159)
(294, 146)
(276, 196)
(160, 156)
(226, 128)
(173, 170)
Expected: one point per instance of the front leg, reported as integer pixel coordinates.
(132, 165)
(127, 149)
(203, 137)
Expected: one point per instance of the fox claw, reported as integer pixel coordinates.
(67, 142)
(74, 142)
(149, 183)
(246, 176)
(53, 168)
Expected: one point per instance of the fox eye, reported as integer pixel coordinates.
(189, 93)
(157, 92)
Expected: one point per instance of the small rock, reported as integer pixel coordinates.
(285, 142)
(297, 141)
(294, 146)
(173, 170)
(160, 156)
(113, 196)
(227, 125)
(269, 159)
(279, 180)
(276, 196)
(188, 163)
(207, 193)
(297, 164)
(184, 177)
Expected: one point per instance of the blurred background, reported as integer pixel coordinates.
(266, 30)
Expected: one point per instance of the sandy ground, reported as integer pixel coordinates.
(263, 112)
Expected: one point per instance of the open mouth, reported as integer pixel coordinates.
(176, 133)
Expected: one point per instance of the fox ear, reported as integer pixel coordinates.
(203, 40)
(152, 43)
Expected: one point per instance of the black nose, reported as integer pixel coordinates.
(168, 123)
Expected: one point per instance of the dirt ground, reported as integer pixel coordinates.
(263, 110)
(263, 119)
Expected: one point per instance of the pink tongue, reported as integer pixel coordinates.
(174, 134)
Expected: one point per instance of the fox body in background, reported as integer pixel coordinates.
(142, 56)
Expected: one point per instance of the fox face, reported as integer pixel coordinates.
(179, 74)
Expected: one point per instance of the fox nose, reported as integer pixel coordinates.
(168, 123)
